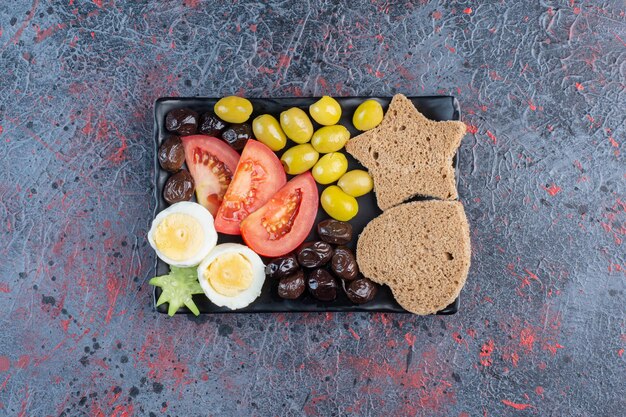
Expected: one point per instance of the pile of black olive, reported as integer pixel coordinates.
(316, 266)
(185, 122)
(180, 185)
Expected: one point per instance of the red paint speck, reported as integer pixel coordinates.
(619, 39)
(1, 129)
(23, 361)
(113, 287)
(323, 83)
(436, 15)
(576, 10)
(527, 338)
(620, 352)
(410, 339)
(553, 348)
(65, 324)
(539, 390)
(354, 334)
(97, 3)
(284, 61)
(517, 406)
(4, 287)
(5, 364)
(579, 86)
(485, 353)
(123, 411)
(531, 105)
(253, 27)
(495, 76)
(468, 10)
(553, 189)
(492, 137)
(451, 49)
(471, 129)
(613, 142)
(515, 359)
(43, 34)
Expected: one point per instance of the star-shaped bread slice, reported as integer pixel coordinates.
(409, 155)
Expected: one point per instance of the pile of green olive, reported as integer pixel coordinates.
(339, 201)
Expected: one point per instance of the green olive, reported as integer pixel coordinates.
(325, 111)
(330, 168)
(296, 125)
(299, 159)
(267, 130)
(330, 138)
(233, 109)
(339, 205)
(356, 183)
(368, 115)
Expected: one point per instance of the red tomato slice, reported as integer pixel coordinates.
(211, 163)
(258, 176)
(283, 223)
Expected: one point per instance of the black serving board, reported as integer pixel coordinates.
(433, 107)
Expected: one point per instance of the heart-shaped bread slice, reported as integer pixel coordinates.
(409, 155)
(421, 250)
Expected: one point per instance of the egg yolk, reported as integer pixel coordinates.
(179, 236)
(230, 274)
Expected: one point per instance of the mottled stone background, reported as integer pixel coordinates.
(541, 331)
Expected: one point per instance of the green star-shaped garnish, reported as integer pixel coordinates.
(178, 287)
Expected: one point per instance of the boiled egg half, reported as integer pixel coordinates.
(183, 234)
(232, 275)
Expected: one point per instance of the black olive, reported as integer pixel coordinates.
(343, 264)
(322, 285)
(314, 254)
(237, 135)
(211, 125)
(334, 231)
(282, 267)
(291, 287)
(361, 290)
(179, 187)
(182, 121)
(171, 154)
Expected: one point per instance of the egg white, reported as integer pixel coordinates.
(247, 296)
(203, 216)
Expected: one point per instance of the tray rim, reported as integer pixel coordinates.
(155, 199)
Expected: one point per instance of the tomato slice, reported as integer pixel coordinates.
(211, 163)
(283, 223)
(258, 176)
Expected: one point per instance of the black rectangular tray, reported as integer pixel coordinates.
(433, 107)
